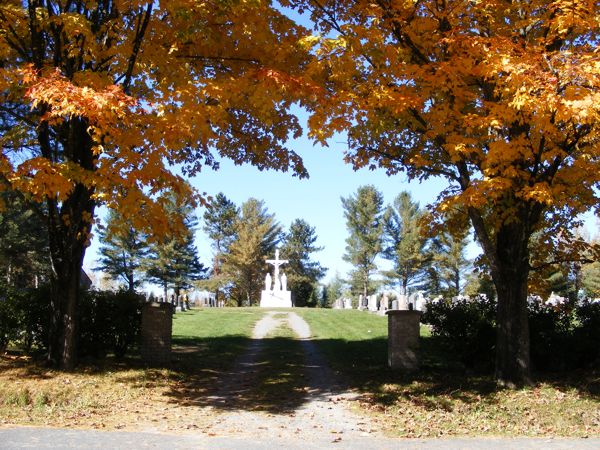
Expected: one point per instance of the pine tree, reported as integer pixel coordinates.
(302, 273)
(219, 224)
(333, 290)
(364, 220)
(173, 261)
(24, 252)
(406, 244)
(123, 250)
(256, 235)
(450, 261)
(591, 279)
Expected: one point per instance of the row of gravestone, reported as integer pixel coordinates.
(180, 303)
(184, 302)
(384, 302)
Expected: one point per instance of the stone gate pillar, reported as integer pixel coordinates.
(403, 339)
(157, 327)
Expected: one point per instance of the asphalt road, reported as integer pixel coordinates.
(54, 438)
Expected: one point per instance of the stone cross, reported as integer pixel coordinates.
(276, 263)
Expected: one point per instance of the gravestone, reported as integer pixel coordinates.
(403, 302)
(384, 304)
(395, 305)
(338, 304)
(361, 303)
(347, 303)
(403, 339)
(372, 303)
(157, 327)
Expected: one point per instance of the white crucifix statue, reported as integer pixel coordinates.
(276, 296)
(276, 263)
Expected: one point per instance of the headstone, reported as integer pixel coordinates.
(395, 305)
(347, 303)
(361, 302)
(403, 339)
(338, 304)
(372, 303)
(385, 303)
(403, 302)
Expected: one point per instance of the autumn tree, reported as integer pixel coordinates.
(123, 250)
(302, 273)
(100, 99)
(364, 220)
(499, 98)
(256, 235)
(405, 242)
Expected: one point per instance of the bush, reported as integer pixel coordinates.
(551, 335)
(467, 327)
(562, 336)
(8, 321)
(25, 318)
(109, 322)
(587, 333)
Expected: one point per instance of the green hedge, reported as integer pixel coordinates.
(562, 337)
(109, 322)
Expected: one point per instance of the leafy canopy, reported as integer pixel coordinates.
(152, 85)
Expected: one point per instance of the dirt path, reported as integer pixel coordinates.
(323, 415)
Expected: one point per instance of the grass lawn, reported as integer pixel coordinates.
(443, 399)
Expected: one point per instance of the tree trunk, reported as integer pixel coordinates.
(131, 283)
(69, 226)
(510, 276)
(68, 233)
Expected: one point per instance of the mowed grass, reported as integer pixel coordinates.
(443, 398)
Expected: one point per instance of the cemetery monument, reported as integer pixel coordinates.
(275, 294)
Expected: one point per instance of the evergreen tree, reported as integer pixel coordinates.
(591, 279)
(364, 221)
(219, 224)
(24, 252)
(123, 250)
(173, 262)
(256, 235)
(450, 261)
(333, 290)
(479, 283)
(406, 245)
(302, 273)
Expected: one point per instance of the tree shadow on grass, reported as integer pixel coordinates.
(273, 375)
(279, 375)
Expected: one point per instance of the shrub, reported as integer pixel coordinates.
(551, 335)
(109, 322)
(8, 321)
(587, 333)
(24, 318)
(561, 336)
(467, 327)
